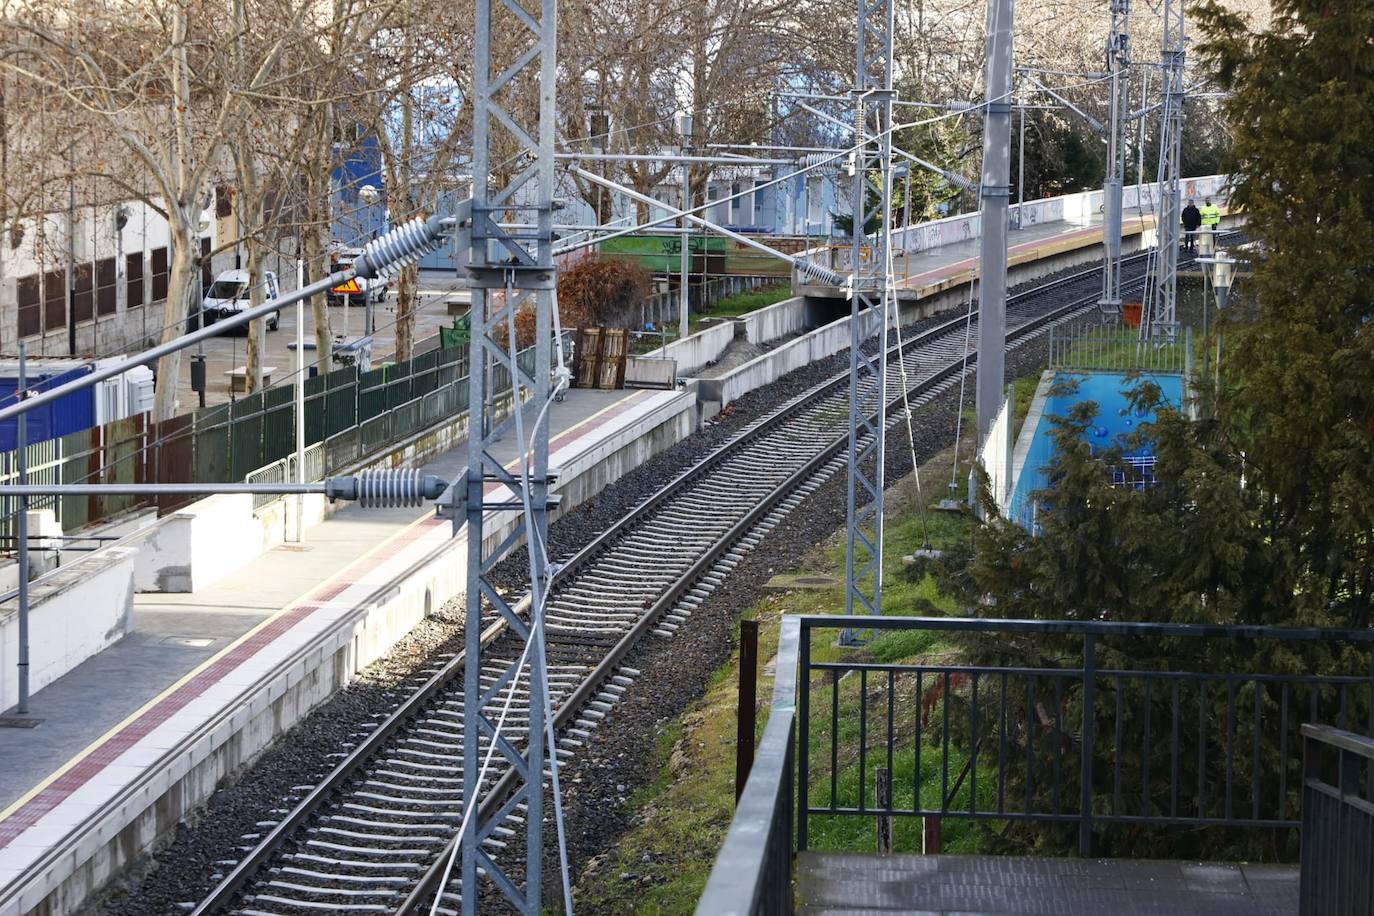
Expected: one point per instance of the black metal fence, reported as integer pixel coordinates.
(1105, 727)
(349, 414)
(753, 873)
(1096, 346)
(1089, 730)
(1337, 823)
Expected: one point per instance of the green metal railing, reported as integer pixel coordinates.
(1117, 348)
(348, 416)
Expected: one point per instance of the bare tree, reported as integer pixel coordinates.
(417, 76)
(136, 73)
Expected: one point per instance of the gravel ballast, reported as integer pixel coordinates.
(598, 781)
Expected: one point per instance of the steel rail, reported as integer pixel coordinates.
(247, 868)
(424, 890)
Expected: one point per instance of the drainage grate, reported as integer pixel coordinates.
(19, 721)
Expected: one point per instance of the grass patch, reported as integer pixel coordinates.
(729, 307)
(742, 304)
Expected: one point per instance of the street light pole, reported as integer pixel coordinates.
(300, 398)
(23, 450)
(368, 195)
(685, 256)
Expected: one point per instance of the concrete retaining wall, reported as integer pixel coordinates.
(694, 353)
(75, 611)
(777, 320)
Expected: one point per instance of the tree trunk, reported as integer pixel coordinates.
(257, 328)
(407, 293)
(180, 302)
(313, 239)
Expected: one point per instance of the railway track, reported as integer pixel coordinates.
(372, 837)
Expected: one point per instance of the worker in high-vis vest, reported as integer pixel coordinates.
(1211, 215)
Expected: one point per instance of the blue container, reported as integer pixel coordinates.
(1115, 419)
(68, 414)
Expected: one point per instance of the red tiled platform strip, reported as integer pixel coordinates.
(109, 750)
(112, 747)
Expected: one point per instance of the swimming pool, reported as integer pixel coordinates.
(1115, 419)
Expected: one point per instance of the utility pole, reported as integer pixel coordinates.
(1118, 65)
(508, 271)
(299, 393)
(685, 256)
(71, 250)
(1163, 315)
(993, 194)
(22, 452)
(872, 292)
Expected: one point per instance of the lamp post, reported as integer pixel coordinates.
(684, 127)
(1206, 242)
(1221, 271)
(369, 195)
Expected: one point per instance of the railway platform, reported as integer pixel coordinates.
(145, 729)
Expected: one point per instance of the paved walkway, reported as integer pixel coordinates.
(92, 711)
(227, 351)
(849, 884)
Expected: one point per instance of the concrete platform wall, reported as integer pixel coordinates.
(74, 612)
(148, 812)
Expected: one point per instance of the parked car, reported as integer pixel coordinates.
(229, 295)
(356, 289)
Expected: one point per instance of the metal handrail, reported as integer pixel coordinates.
(1337, 822)
(1090, 628)
(772, 812)
(757, 851)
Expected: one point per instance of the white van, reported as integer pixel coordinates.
(229, 295)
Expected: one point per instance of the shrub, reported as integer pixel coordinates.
(601, 292)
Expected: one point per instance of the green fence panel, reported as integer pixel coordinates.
(316, 410)
(341, 407)
(278, 424)
(212, 444)
(371, 394)
(398, 384)
(245, 436)
(124, 460)
(77, 464)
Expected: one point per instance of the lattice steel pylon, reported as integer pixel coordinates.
(513, 182)
(1163, 293)
(872, 291)
(1118, 65)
